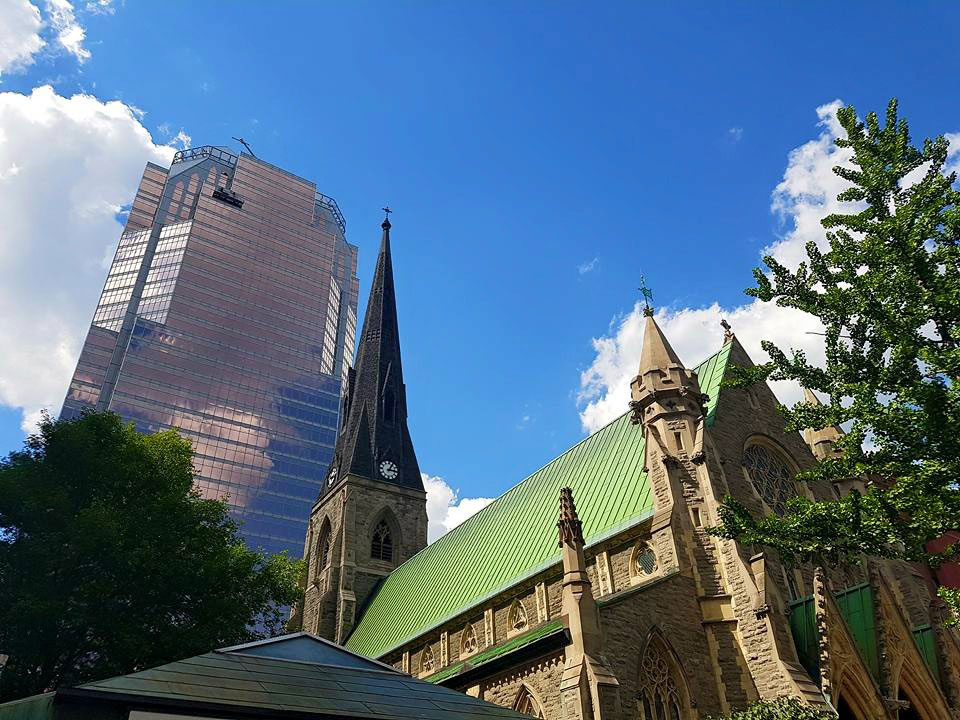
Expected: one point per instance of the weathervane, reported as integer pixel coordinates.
(647, 297)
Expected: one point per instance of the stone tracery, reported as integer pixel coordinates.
(661, 696)
(468, 640)
(517, 618)
(527, 704)
(770, 475)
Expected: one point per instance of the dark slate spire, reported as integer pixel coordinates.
(374, 441)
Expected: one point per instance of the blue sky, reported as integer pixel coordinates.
(539, 157)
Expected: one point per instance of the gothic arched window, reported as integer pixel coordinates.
(324, 552)
(661, 697)
(381, 544)
(323, 548)
(517, 618)
(468, 641)
(427, 663)
(526, 703)
(771, 475)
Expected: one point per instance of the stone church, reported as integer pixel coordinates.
(592, 588)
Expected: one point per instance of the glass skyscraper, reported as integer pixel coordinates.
(229, 313)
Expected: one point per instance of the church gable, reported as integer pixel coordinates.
(513, 538)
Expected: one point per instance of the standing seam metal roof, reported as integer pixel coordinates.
(514, 537)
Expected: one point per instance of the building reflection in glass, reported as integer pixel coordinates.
(229, 313)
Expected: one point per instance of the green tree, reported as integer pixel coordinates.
(887, 290)
(110, 561)
(779, 709)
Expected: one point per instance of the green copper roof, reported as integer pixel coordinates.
(515, 536)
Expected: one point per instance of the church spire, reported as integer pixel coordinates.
(374, 442)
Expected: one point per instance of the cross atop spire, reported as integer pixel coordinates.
(386, 217)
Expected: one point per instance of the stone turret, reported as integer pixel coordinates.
(588, 688)
(822, 442)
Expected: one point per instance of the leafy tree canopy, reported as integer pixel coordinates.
(887, 290)
(111, 562)
(779, 709)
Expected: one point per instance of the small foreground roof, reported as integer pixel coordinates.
(293, 675)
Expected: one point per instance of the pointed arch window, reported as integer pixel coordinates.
(381, 544)
(323, 548)
(661, 694)
(527, 704)
(427, 663)
(517, 618)
(468, 641)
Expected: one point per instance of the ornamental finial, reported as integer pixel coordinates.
(571, 529)
(386, 217)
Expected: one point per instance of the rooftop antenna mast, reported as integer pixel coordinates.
(244, 143)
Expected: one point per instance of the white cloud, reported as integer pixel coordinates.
(100, 7)
(70, 34)
(953, 152)
(445, 509)
(20, 39)
(77, 161)
(805, 195)
(180, 141)
(584, 268)
(735, 133)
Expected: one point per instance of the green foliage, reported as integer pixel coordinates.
(111, 562)
(887, 290)
(779, 709)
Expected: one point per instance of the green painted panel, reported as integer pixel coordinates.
(37, 707)
(856, 604)
(926, 642)
(515, 536)
(803, 626)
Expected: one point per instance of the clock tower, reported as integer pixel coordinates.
(371, 514)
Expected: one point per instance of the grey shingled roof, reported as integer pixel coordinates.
(343, 685)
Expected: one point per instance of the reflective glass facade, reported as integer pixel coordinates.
(229, 313)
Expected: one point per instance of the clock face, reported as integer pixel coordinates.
(332, 477)
(389, 469)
